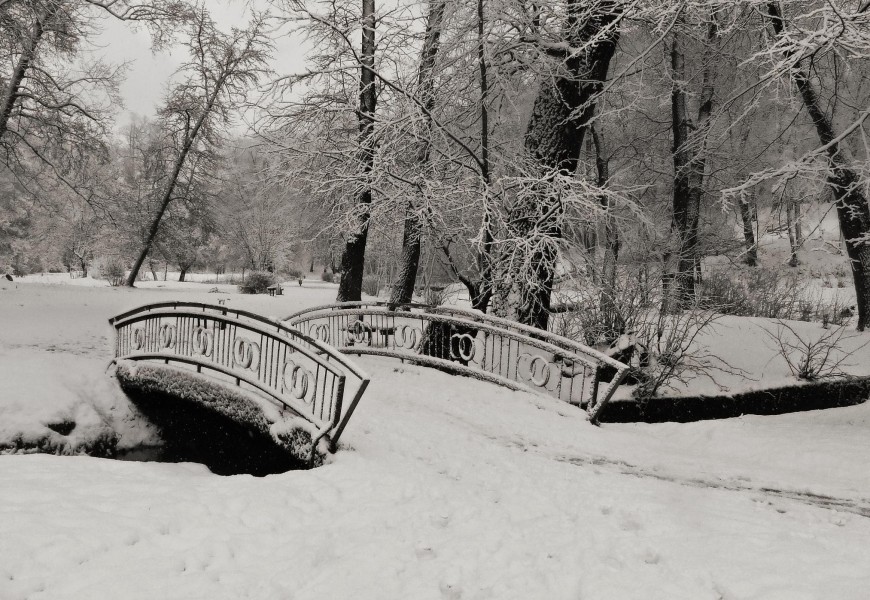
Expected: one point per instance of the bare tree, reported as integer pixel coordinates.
(853, 210)
(221, 70)
(55, 106)
(560, 117)
(353, 256)
(403, 287)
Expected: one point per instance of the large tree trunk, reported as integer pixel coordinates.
(354, 254)
(853, 210)
(403, 288)
(560, 116)
(689, 155)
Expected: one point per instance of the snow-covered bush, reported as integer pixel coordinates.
(758, 293)
(153, 385)
(667, 352)
(327, 277)
(257, 283)
(371, 285)
(771, 295)
(810, 358)
(110, 268)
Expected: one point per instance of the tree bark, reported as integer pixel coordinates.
(554, 137)
(353, 256)
(853, 211)
(409, 264)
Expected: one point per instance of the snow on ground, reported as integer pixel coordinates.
(448, 488)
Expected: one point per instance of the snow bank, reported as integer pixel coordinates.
(65, 404)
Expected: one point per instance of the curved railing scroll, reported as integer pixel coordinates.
(297, 372)
(469, 343)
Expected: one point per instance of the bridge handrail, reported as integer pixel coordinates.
(558, 346)
(124, 317)
(592, 355)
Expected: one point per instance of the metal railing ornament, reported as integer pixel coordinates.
(297, 372)
(469, 343)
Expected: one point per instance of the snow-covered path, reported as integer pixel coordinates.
(450, 488)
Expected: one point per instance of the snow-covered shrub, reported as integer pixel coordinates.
(810, 358)
(294, 273)
(758, 293)
(112, 269)
(667, 351)
(371, 285)
(327, 277)
(771, 295)
(257, 283)
(257, 419)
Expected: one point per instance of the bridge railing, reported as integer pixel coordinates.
(469, 343)
(297, 372)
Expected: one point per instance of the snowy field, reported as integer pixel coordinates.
(448, 488)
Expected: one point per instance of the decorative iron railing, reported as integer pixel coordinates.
(469, 343)
(297, 372)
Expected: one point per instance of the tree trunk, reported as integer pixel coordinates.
(182, 274)
(790, 224)
(853, 210)
(798, 226)
(353, 257)
(409, 264)
(746, 215)
(560, 116)
(613, 318)
(689, 154)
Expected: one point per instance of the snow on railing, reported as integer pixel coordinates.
(468, 343)
(297, 372)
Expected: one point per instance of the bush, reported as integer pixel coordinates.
(810, 359)
(294, 273)
(327, 277)
(114, 271)
(771, 295)
(257, 282)
(371, 285)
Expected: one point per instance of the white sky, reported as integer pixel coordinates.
(149, 72)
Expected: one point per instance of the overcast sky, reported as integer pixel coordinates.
(149, 72)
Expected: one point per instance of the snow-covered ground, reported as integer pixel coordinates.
(448, 488)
